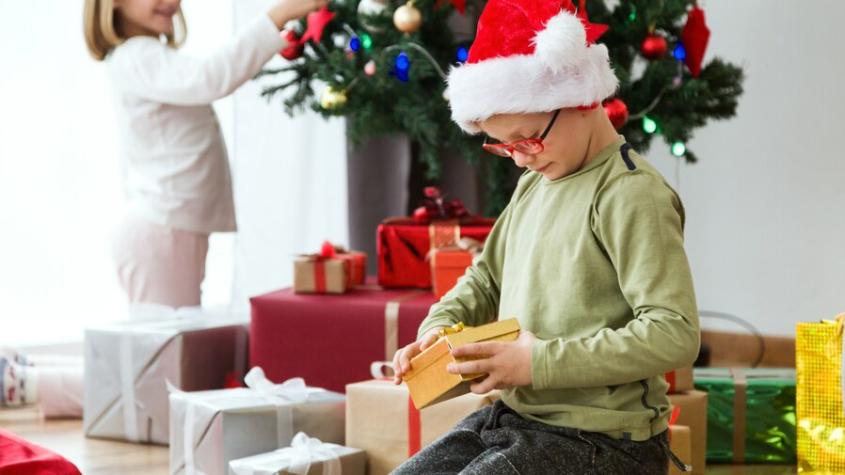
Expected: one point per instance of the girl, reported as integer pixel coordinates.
(588, 255)
(177, 173)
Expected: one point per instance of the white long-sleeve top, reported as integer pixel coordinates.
(175, 161)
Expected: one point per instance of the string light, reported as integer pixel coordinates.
(402, 64)
(679, 149)
(680, 53)
(649, 125)
(462, 54)
(355, 44)
(366, 41)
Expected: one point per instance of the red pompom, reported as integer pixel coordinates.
(617, 112)
(294, 48)
(431, 192)
(654, 46)
(327, 250)
(421, 215)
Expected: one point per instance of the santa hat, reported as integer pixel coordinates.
(529, 56)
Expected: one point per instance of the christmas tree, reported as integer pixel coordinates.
(384, 65)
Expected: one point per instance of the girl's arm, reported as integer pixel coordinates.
(150, 70)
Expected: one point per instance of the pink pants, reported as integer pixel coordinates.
(158, 264)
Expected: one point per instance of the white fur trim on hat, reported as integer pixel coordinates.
(526, 84)
(563, 41)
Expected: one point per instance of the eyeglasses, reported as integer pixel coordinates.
(531, 146)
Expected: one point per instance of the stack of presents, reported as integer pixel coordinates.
(316, 400)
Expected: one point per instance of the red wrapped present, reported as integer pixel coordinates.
(19, 457)
(331, 341)
(403, 244)
(448, 264)
(357, 266)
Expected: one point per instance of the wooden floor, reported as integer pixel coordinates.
(101, 457)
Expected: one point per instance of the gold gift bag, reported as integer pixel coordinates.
(820, 384)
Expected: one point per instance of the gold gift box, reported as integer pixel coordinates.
(430, 383)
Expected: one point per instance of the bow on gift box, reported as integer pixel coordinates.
(296, 459)
(436, 207)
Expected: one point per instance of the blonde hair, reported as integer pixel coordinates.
(101, 37)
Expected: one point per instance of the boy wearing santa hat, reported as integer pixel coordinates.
(588, 256)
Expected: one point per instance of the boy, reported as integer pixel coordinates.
(588, 256)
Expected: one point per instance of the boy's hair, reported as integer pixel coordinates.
(101, 37)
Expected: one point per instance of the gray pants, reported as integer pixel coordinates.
(497, 440)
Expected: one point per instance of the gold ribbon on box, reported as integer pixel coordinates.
(443, 233)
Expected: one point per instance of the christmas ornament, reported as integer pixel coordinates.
(654, 46)
(649, 125)
(593, 30)
(407, 18)
(332, 98)
(421, 215)
(370, 68)
(617, 112)
(370, 8)
(294, 48)
(317, 22)
(695, 36)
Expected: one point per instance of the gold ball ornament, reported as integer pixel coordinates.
(407, 18)
(332, 98)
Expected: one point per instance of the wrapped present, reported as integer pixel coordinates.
(820, 396)
(305, 456)
(404, 243)
(430, 383)
(357, 266)
(212, 428)
(322, 273)
(128, 365)
(750, 414)
(19, 457)
(347, 331)
(680, 443)
(448, 264)
(680, 380)
(382, 420)
(693, 414)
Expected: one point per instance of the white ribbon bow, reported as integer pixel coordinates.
(296, 459)
(293, 390)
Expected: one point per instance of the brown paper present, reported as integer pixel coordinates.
(693, 414)
(428, 380)
(382, 420)
(680, 380)
(680, 443)
(314, 274)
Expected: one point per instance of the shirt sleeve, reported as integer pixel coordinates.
(639, 221)
(162, 74)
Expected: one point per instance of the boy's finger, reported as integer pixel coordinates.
(470, 367)
(485, 386)
(428, 341)
(478, 349)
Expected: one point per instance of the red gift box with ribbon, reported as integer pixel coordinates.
(403, 244)
(331, 340)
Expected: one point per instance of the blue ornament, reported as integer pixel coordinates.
(680, 53)
(403, 62)
(355, 44)
(462, 54)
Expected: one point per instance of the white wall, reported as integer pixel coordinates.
(766, 222)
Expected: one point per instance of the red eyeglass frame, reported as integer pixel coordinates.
(531, 146)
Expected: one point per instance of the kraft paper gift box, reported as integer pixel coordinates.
(820, 396)
(430, 383)
(693, 414)
(128, 366)
(750, 414)
(319, 275)
(212, 428)
(680, 380)
(382, 420)
(680, 443)
(305, 456)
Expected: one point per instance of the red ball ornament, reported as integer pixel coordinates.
(421, 215)
(294, 48)
(654, 46)
(617, 112)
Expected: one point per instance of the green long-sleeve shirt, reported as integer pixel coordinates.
(594, 265)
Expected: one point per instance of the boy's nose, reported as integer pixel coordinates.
(522, 160)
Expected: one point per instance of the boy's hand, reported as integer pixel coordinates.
(402, 358)
(507, 364)
(287, 10)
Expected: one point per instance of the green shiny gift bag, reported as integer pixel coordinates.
(750, 414)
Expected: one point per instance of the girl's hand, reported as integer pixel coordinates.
(402, 358)
(287, 10)
(506, 364)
